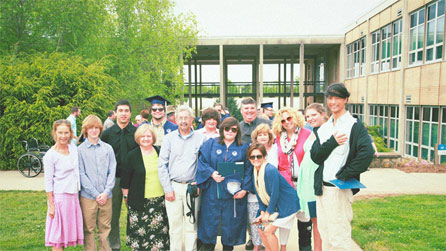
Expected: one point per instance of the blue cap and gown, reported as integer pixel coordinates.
(157, 99)
(268, 105)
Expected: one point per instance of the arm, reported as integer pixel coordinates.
(51, 207)
(320, 152)
(125, 193)
(163, 170)
(205, 169)
(48, 165)
(111, 172)
(273, 182)
(362, 158)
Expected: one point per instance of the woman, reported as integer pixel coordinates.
(291, 135)
(275, 196)
(62, 184)
(315, 114)
(147, 224)
(210, 120)
(223, 199)
(262, 135)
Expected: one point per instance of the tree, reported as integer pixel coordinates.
(39, 89)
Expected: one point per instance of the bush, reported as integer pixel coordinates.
(36, 90)
(379, 141)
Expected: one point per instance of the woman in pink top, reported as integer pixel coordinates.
(62, 183)
(288, 126)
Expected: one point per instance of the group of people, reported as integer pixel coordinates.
(228, 178)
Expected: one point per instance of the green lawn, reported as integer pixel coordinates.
(22, 224)
(413, 222)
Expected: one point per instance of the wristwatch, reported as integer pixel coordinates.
(125, 196)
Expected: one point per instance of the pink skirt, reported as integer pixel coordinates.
(66, 228)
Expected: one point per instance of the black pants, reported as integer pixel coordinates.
(211, 247)
(304, 233)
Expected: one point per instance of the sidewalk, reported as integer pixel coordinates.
(379, 182)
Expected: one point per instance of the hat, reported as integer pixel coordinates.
(337, 90)
(158, 100)
(267, 105)
(170, 109)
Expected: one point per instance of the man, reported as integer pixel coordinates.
(121, 137)
(268, 110)
(160, 124)
(220, 109)
(97, 168)
(109, 122)
(250, 121)
(75, 112)
(170, 110)
(343, 150)
(177, 167)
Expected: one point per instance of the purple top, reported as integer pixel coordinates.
(62, 171)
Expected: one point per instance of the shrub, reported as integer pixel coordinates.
(36, 90)
(379, 141)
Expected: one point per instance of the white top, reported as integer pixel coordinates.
(207, 134)
(336, 160)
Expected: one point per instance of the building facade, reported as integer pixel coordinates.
(395, 68)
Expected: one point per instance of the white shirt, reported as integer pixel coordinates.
(336, 160)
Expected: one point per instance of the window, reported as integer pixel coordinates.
(396, 49)
(373, 115)
(416, 37)
(356, 46)
(443, 134)
(363, 44)
(349, 60)
(429, 132)
(435, 31)
(385, 47)
(386, 116)
(357, 109)
(412, 130)
(393, 136)
(375, 52)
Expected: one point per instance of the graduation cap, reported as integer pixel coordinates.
(157, 99)
(267, 105)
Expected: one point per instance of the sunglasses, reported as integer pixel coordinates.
(289, 119)
(253, 157)
(157, 109)
(227, 129)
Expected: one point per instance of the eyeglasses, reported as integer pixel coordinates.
(289, 119)
(253, 157)
(157, 109)
(233, 129)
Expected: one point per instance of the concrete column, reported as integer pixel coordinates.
(284, 81)
(201, 89)
(367, 69)
(196, 87)
(260, 91)
(302, 76)
(404, 63)
(222, 83)
(190, 83)
(342, 56)
(292, 83)
(278, 66)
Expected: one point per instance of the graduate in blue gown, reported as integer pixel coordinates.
(229, 210)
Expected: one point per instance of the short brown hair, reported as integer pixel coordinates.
(262, 128)
(247, 101)
(256, 146)
(210, 113)
(89, 122)
(228, 122)
(145, 114)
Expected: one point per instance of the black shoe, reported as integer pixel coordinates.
(306, 248)
(249, 245)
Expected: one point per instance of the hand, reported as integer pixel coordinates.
(265, 217)
(170, 196)
(217, 177)
(198, 189)
(341, 138)
(51, 210)
(376, 154)
(257, 220)
(240, 194)
(126, 203)
(102, 199)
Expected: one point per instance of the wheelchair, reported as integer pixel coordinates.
(30, 163)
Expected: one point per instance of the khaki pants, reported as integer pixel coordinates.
(178, 221)
(92, 212)
(334, 214)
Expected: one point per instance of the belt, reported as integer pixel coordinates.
(181, 182)
(327, 184)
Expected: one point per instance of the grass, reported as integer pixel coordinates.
(412, 222)
(22, 224)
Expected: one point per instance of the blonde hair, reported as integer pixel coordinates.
(89, 122)
(58, 123)
(143, 129)
(262, 128)
(298, 119)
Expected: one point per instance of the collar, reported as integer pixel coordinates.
(116, 129)
(344, 118)
(89, 144)
(187, 136)
(163, 122)
(254, 122)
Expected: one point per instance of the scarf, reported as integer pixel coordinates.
(288, 146)
(259, 181)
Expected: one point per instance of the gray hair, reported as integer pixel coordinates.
(182, 108)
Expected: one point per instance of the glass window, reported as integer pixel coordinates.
(416, 37)
(375, 51)
(385, 48)
(349, 60)
(435, 31)
(356, 55)
(363, 45)
(396, 47)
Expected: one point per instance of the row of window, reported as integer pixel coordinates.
(425, 127)
(386, 42)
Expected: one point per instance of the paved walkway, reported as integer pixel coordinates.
(379, 182)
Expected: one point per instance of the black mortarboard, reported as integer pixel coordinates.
(157, 99)
(267, 105)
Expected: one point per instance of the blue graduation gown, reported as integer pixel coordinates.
(214, 211)
(168, 126)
